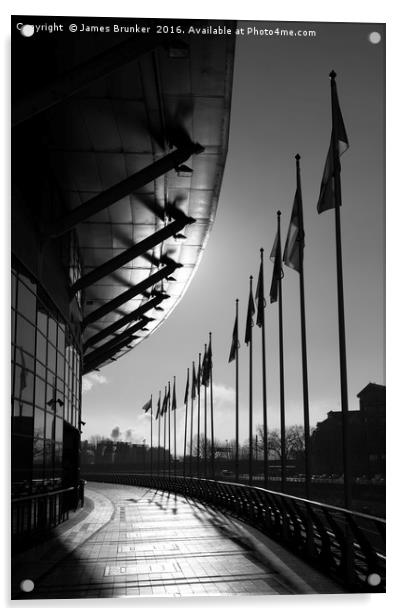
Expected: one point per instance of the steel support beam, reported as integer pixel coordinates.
(116, 341)
(128, 255)
(89, 366)
(85, 74)
(129, 318)
(122, 189)
(129, 294)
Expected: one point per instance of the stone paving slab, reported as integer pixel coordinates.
(144, 542)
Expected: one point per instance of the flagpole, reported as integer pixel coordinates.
(151, 438)
(199, 413)
(212, 408)
(250, 440)
(185, 423)
(159, 435)
(191, 427)
(169, 411)
(264, 383)
(205, 417)
(164, 435)
(281, 370)
(237, 398)
(306, 410)
(341, 308)
(174, 428)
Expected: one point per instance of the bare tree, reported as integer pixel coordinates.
(97, 438)
(294, 441)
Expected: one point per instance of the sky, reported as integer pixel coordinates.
(280, 107)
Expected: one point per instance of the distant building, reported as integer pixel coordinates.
(367, 437)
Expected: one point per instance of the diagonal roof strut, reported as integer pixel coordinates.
(122, 189)
(129, 318)
(128, 255)
(130, 293)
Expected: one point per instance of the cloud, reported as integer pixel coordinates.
(223, 395)
(89, 380)
(115, 433)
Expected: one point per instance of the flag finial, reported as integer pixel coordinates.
(279, 213)
(332, 74)
(261, 251)
(297, 157)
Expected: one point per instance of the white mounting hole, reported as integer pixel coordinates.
(27, 585)
(373, 579)
(27, 30)
(374, 37)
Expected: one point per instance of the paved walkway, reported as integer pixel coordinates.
(140, 541)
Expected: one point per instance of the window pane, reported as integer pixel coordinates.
(52, 331)
(12, 326)
(49, 433)
(40, 370)
(49, 454)
(67, 409)
(26, 303)
(39, 449)
(59, 430)
(42, 320)
(28, 283)
(51, 358)
(17, 408)
(25, 335)
(13, 289)
(61, 338)
(41, 348)
(23, 384)
(23, 359)
(60, 365)
(39, 423)
(40, 391)
(58, 455)
(27, 410)
(51, 393)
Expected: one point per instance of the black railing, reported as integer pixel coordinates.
(347, 545)
(35, 514)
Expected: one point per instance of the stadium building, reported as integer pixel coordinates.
(119, 145)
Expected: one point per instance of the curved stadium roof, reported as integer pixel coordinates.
(139, 155)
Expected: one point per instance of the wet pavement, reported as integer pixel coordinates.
(143, 542)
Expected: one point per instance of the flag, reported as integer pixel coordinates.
(164, 404)
(235, 341)
(148, 405)
(168, 397)
(250, 313)
(291, 252)
(326, 200)
(277, 273)
(206, 366)
(187, 387)
(194, 385)
(158, 408)
(174, 403)
(259, 296)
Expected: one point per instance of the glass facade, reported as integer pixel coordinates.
(45, 390)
